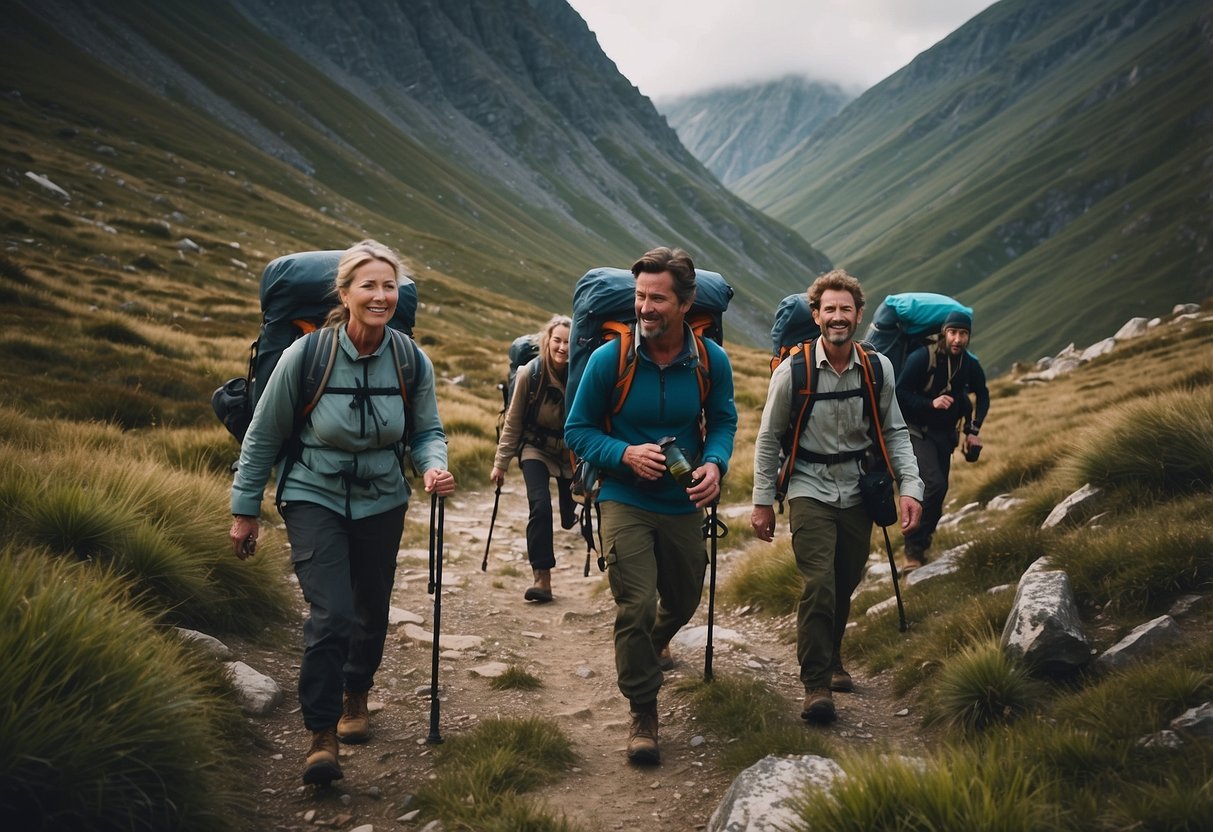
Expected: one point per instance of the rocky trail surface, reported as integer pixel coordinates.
(485, 626)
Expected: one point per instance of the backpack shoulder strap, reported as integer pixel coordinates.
(319, 352)
(625, 371)
(408, 366)
(873, 380)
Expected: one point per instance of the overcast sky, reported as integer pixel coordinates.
(671, 47)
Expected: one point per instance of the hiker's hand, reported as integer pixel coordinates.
(646, 461)
(911, 514)
(244, 534)
(707, 485)
(440, 482)
(497, 476)
(971, 440)
(762, 521)
(942, 402)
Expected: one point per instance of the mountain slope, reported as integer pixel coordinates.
(493, 142)
(737, 129)
(1048, 163)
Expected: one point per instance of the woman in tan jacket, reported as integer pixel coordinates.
(534, 432)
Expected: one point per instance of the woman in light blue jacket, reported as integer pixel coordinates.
(344, 495)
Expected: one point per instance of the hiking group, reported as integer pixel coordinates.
(629, 404)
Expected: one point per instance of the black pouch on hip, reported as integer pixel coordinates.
(876, 491)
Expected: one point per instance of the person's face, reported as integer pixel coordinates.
(371, 295)
(837, 316)
(956, 340)
(558, 345)
(657, 307)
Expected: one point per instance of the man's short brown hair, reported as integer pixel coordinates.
(839, 281)
(673, 260)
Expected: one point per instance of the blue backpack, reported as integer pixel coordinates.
(904, 322)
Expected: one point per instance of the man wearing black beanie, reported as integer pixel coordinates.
(933, 389)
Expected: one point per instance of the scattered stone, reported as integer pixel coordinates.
(585, 672)
(397, 616)
(884, 606)
(1076, 504)
(366, 827)
(408, 817)
(451, 642)
(1097, 349)
(49, 185)
(1183, 605)
(697, 741)
(945, 564)
(994, 590)
(1143, 642)
(580, 714)
(186, 244)
(1004, 502)
(953, 518)
(209, 643)
(526, 634)
(1044, 628)
(492, 670)
(761, 797)
(1132, 329)
(902, 712)
(1185, 309)
(1161, 739)
(1195, 721)
(256, 692)
(695, 638)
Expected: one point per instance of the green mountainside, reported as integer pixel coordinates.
(1049, 163)
(493, 144)
(734, 130)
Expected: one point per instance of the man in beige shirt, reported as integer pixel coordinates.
(831, 530)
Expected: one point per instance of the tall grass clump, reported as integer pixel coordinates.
(766, 578)
(749, 720)
(107, 724)
(1162, 445)
(516, 678)
(957, 790)
(981, 686)
(483, 773)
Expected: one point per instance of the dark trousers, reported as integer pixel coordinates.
(934, 454)
(346, 569)
(831, 547)
(539, 547)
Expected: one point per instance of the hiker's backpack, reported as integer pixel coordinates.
(604, 308)
(904, 322)
(804, 390)
(794, 325)
(523, 350)
(297, 292)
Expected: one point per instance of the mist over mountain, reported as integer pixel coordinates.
(494, 143)
(1049, 163)
(734, 130)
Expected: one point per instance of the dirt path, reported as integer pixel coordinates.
(567, 644)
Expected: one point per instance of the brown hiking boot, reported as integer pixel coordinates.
(322, 766)
(642, 738)
(541, 592)
(665, 659)
(840, 680)
(355, 724)
(818, 705)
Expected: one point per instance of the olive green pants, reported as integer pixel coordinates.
(831, 548)
(655, 566)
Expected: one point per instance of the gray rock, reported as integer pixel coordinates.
(578, 714)
(1097, 349)
(48, 185)
(1041, 564)
(491, 670)
(397, 616)
(1184, 605)
(257, 693)
(1004, 502)
(1185, 308)
(1140, 644)
(209, 643)
(1132, 329)
(1161, 739)
(759, 798)
(1195, 721)
(695, 638)
(445, 642)
(887, 604)
(186, 244)
(1044, 628)
(1077, 505)
(584, 672)
(952, 518)
(945, 564)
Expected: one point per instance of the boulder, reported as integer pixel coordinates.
(1140, 644)
(1195, 721)
(1004, 502)
(1077, 505)
(1132, 329)
(1098, 348)
(759, 798)
(945, 564)
(1044, 628)
(208, 643)
(257, 693)
(1185, 308)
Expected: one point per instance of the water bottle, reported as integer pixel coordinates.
(676, 463)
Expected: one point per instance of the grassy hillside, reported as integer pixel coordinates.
(1046, 163)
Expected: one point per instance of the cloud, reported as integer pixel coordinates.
(673, 47)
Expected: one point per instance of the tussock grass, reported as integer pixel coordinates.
(766, 578)
(946, 791)
(483, 773)
(1161, 445)
(516, 678)
(107, 724)
(749, 720)
(981, 686)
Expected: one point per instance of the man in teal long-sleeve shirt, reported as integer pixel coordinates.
(651, 526)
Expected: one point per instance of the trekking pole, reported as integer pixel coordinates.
(714, 527)
(435, 589)
(901, 610)
(484, 564)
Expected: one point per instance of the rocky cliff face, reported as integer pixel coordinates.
(735, 130)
